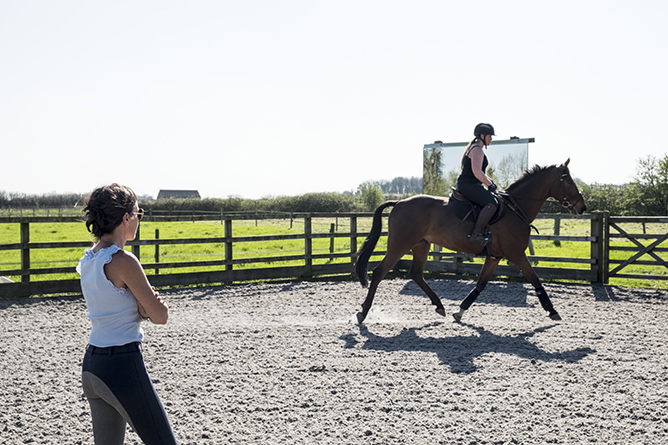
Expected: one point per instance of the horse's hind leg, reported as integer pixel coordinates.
(483, 279)
(420, 255)
(378, 274)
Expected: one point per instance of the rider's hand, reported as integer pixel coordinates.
(492, 187)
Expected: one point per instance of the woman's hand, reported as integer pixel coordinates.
(142, 312)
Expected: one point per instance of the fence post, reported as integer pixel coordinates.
(25, 252)
(353, 238)
(157, 252)
(332, 230)
(135, 247)
(308, 245)
(606, 247)
(597, 231)
(557, 230)
(228, 243)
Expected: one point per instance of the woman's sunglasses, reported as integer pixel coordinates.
(139, 214)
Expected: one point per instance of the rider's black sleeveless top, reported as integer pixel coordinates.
(467, 171)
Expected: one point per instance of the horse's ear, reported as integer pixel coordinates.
(567, 161)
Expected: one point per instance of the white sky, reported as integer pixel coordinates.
(263, 98)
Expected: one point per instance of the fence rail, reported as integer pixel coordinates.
(232, 263)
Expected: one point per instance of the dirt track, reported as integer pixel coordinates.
(286, 363)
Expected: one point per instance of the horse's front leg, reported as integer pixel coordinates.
(525, 267)
(483, 279)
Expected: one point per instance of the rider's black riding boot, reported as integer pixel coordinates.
(478, 236)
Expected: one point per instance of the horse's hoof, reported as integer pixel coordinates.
(360, 318)
(458, 317)
(555, 316)
(440, 311)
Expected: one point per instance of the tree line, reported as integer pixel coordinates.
(646, 195)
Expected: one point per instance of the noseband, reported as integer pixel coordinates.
(566, 202)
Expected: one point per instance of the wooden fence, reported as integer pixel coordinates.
(308, 263)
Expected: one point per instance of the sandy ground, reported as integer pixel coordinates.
(287, 364)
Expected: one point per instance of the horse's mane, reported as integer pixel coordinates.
(527, 175)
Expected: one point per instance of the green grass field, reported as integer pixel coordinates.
(68, 257)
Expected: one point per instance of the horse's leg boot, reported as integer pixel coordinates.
(478, 235)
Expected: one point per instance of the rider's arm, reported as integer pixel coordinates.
(477, 157)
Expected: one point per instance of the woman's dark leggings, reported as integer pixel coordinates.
(476, 192)
(119, 390)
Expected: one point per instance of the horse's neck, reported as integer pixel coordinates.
(531, 195)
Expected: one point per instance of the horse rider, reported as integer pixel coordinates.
(472, 179)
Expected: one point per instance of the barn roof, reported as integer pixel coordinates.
(180, 194)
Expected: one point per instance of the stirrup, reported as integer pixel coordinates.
(482, 238)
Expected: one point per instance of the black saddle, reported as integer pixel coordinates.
(467, 210)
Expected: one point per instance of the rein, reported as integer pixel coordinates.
(512, 204)
(566, 202)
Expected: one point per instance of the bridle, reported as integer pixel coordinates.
(568, 203)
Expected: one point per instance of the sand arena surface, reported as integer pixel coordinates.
(287, 364)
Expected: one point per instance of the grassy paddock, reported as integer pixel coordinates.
(68, 257)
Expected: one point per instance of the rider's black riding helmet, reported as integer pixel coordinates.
(481, 129)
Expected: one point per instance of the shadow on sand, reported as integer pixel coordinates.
(496, 292)
(459, 352)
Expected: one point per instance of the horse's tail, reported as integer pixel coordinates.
(362, 256)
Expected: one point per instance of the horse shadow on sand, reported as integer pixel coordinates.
(459, 352)
(508, 294)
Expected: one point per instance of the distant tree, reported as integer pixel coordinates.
(372, 196)
(647, 195)
(450, 181)
(652, 181)
(434, 183)
(397, 186)
(508, 169)
(603, 197)
(630, 201)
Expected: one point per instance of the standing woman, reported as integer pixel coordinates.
(118, 297)
(472, 179)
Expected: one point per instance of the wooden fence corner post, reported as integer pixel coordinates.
(596, 232)
(598, 245)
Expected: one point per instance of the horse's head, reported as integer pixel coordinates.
(567, 193)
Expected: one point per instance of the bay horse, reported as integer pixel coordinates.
(417, 222)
